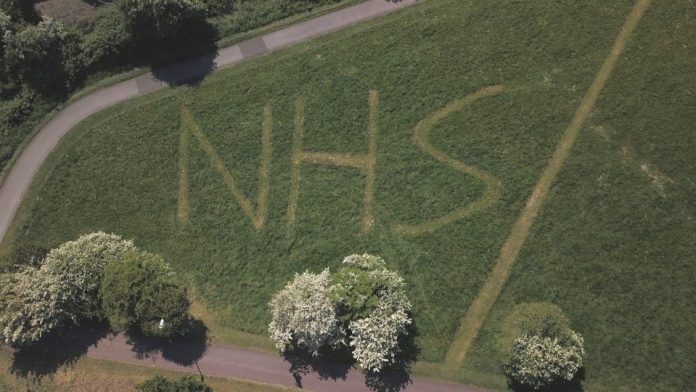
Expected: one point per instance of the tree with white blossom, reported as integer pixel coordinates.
(540, 347)
(63, 290)
(364, 303)
(372, 301)
(303, 314)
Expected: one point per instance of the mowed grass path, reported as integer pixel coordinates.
(119, 172)
(614, 247)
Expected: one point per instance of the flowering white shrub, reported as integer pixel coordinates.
(303, 313)
(365, 261)
(375, 339)
(27, 308)
(363, 297)
(77, 267)
(538, 361)
(65, 289)
(372, 299)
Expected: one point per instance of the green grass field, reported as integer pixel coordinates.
(612, 245)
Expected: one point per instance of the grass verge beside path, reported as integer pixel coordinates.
(99, 375)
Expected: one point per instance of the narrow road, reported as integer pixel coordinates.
(263, 367)
(28, 163)
(213, 360)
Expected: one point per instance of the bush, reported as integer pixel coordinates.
(161, 19)
(14, 110)
(107, 40)
(217, 7)
(139, 292)
(79, 266)
(539, 346)
(21, 11)
(303, 314)
(64, 290)
(538, 362)
(28, 308)
(372, 301)
(251, 14)
(45, 56)
(5, 25)
(536, 318)
(369, 300)
(186, 383)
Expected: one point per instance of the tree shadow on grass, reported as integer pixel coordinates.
(185, 350)
(53, 352)
(574, 385)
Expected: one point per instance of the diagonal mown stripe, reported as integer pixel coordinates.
(482, 304)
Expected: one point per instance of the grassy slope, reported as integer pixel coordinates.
(100, 375)
(118, 171)
(612, 248)
(231, 32)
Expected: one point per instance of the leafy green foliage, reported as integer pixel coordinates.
(107, 40)
(160, 19)
(28, 309)
(139, 292)
(540, 362)
(186, 383)
(15, 109)
(61, 292)
(5, 25)
(218, 7)
(250, 14)
(44, 56)
(359, 285)
(21, 11)
(77, 268)
(370, 299)
(537, 319)
(539, 346)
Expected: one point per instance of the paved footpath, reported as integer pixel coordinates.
(216, 360)
(267, 368)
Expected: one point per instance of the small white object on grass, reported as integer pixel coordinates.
(161, 324)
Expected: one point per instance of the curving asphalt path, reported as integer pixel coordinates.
(32, 157)
(215, 360)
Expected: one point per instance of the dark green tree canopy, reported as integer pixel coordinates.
(139, 292)
(161, 19)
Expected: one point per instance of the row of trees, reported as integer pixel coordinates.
(363, 306)
(96, 277)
